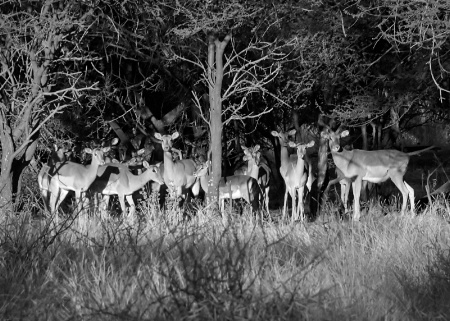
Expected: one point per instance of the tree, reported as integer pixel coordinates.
(46, 62)
(233, 71)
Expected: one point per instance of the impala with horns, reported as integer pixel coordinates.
(373, 166)
(296, 170)
(232, 187)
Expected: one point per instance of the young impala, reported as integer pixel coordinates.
(257, 168)
(232, 187)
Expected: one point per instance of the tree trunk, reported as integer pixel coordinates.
(322, 167)
(6, 190)
(215, 59)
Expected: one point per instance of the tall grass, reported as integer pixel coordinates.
(159, 266)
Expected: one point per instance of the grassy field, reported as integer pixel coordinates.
(156, 267)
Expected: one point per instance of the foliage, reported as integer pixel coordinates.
(156, 267)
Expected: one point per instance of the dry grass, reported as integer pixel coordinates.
(158, 266)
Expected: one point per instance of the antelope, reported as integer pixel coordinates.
(373, 166)
(254, 163)
(232, 187)
(116, 179)
(292, 170)
(58, 154)
(177, 174)
(296, 180)
(70, 176)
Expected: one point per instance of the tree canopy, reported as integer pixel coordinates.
(69, 67)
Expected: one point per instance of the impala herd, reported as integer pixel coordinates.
(105, 176)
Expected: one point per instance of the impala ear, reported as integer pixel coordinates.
(114, 141)
(292, 144)
(106, 149)
(275, 133)
(158, 165)
(292, 132)
(87, 150)
(325, 133)
(256, 148)
(245, 158)
(345, 133)
(140, 152)
(311, 144)
(145, 164)
(175, 135)
(158, 135)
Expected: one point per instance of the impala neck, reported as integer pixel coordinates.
(140, 180)
(284, 156)
(341, 159)
(204, 182)
(92, 168)
(300, 164)
(252, 169)
(169, 166)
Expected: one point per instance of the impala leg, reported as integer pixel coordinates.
(267, 198)
(196, 188)
(294, 203)
(411, 197)
(284, 206)
(132, 205)
(61, 198)
(301, 207)
(54, 196)
(356, 196)
(401, 185)
(345, 190)
(122, 204)
(45, 197)
(104, 205)
(79, 201)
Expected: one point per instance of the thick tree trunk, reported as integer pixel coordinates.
(215, 59)
(6, 186)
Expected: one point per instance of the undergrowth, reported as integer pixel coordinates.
(164, 265)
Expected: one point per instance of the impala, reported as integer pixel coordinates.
(293, 171)
(177, 174)
(116, 179)
(58, 154)
(232, 187)
(345, 187)
(254, 163)
(70, 176)
(372, 166)
(296, 181)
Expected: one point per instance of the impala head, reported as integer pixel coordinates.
(334, 138)
(252, 153)
(156, 172)
(98, 154)
(201, 169)
(283, 137)
(59, 154)
(301, 148)
(166, 140)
